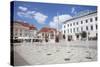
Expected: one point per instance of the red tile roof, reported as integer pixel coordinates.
(31, 27)
(47, 29)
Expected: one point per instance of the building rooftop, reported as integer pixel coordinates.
(30, 26)
(81, 14)
(47, 29)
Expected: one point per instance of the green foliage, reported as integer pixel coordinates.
(83, 34)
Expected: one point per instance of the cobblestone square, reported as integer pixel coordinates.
(55, 53)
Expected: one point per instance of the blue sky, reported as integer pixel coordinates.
(45, 14)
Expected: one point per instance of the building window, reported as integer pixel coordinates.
(96, 34)
(77, 23)
(70, 24)
(91, 27)
(42, 34)
(73, 24)
(64, 26)
(70, 30)
(86, 21)
(96, 19)
(20, 34)
(96, 26)
(86, 27)
(81, 22)
(15, 34)
(91, 20)
(64, 31)
(73, 29)
(81, 28)
(77, 29)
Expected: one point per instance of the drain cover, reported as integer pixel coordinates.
(87, 51)
(88, 57)
(69, 52)
(49, 54)
(67, 59)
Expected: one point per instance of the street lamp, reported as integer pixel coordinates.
(57, 36)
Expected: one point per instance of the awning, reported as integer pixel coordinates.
(23, 38)
(92, 34)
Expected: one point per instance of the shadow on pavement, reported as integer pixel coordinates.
(19, 60)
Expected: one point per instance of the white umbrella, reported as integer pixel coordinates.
(92, 34)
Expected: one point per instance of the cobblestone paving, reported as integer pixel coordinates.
(54, 53)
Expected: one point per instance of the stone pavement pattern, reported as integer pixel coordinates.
(55, 53)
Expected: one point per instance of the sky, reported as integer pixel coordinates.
(46, 14)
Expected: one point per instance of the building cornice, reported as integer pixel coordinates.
(79, 16)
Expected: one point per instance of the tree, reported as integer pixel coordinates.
(83, 34)
(57, 39)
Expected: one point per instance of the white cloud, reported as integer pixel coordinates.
(20, 14)
(53, 24)
(24, 12)
(30, 12)
(61, 19)
(22, 8)
(40, 18)
(73, 10)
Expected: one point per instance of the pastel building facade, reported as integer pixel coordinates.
(23, 30)
(85, 21)
(47, 34)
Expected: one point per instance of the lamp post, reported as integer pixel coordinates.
(57, 36)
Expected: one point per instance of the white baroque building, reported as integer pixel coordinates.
(85, 21)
